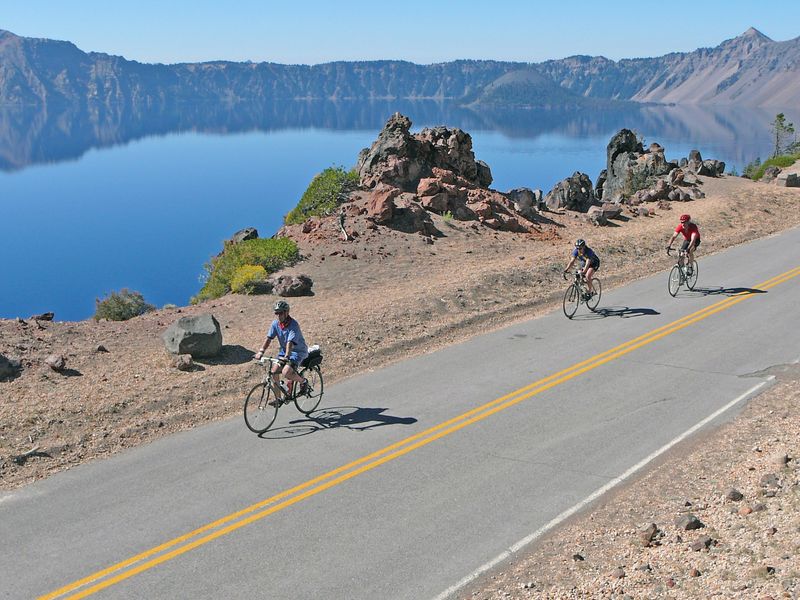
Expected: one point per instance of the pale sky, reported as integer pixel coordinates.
(316, 31)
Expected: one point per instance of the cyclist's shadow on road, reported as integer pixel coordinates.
(354, 418)
(721, 291)
(623, 312)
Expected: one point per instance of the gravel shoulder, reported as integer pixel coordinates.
(388, 295)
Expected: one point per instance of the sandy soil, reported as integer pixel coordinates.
(382, 297)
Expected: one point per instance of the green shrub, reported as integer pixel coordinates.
(751, 168)
(271, 254)
(246, 279)
(324, 194)
(785, 160)
(121, 306)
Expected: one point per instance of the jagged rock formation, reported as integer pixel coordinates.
(401, 159)
(629, 165)
(573, 193)
(749, 70)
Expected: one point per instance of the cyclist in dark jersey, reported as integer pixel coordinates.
(589, 263)
(691, 239)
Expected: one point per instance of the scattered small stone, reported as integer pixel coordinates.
(670, 583)
(772, 531)
(645, 567)
(780, 459)
(21, 321)
(648, 535)
(694, 572)
(617, 573)
(763, 571)
(56, 362)
(688, 522)
(577, 557)
(100, 349)
(734, 495)
(182, 362)
(759, 507)
(769, 480)
(702, 543)
(48, 316)
(745, 510)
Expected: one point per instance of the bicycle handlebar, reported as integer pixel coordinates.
(268, 359)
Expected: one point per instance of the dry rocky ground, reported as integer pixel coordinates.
(387, 295)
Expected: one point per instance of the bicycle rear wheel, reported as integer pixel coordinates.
(308, 402)
(674, 283)
(598, 290)
(572, 300)
(691, 280)
(259, 414)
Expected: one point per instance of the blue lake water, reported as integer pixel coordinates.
(87, 211)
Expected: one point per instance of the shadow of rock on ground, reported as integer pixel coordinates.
(229, 355)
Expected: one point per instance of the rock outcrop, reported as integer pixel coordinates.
(574, 193)
(629, 167)
(200, 336)
(401, 159)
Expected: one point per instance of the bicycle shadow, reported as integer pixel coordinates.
(623, 312)
(721, 291)
(348, 417)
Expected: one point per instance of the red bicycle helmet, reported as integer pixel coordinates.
(685, 218)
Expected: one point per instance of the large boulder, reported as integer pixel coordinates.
(292, 285)
(630, 167)
(199, 336)
(248, 233)
(9, 368)
(380, 206)
(787, 180)
(526, 201)
(573, 193)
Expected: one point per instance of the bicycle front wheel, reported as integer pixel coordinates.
(572, 300)
(308, 402)
(259, 414)
(595, 300)
(674, 282)
(691, 280)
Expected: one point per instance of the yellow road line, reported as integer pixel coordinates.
(393, 451)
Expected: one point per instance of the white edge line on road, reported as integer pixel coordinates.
(592, 497)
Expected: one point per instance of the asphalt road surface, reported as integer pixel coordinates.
(411, 479)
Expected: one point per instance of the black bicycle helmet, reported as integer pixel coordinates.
(281, 306)
(580, 243)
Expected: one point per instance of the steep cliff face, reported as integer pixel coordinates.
(749, 70)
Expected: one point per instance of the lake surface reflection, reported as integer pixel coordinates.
(95, 202)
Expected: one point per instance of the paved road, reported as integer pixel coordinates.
(412, 477)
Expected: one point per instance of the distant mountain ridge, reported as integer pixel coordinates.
(748, 70)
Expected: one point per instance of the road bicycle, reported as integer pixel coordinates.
(578, 292)
(261, 406)
(682, 273)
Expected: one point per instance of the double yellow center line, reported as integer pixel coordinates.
(182, 544)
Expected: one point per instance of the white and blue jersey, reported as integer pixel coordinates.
(289, 333)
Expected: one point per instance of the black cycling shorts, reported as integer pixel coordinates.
(686, 244)
(595, 264)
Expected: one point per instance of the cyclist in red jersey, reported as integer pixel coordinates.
(691, 239)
